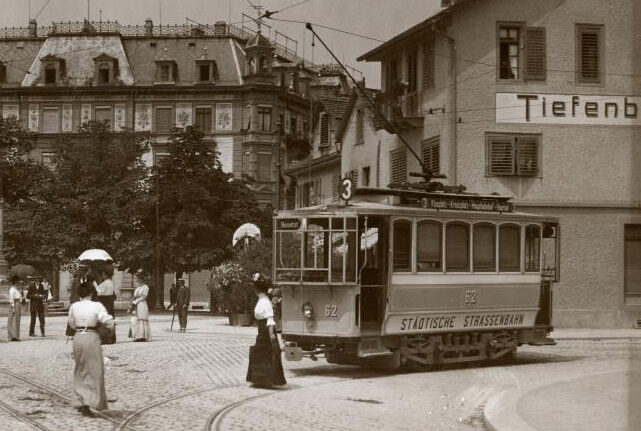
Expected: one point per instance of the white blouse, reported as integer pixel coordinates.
(88, 313)
(140, 294)
(106, 288)
(264, 310)
(14, 294)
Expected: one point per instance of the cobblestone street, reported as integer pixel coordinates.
(196, 381)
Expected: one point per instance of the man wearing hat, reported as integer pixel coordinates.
(37, 296)
(182, 303)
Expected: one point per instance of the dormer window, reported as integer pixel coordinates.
(103, 75)
(50, 73)
(105, 69)
(205, 71)
(166, 72)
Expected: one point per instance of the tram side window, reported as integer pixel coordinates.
(457, 247)
(402, 245)
(532, 247)
(509, 248)
(316, 250)
(288, 248)
(339, 250)
(429, 246)
(484, 247)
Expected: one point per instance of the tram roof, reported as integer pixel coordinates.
(377, 204)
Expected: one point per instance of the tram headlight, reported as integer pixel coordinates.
(308, 311)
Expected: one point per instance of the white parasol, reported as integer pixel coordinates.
(248, 230)
(95, 254)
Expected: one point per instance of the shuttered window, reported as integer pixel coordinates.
(513, 155)
(103, 115)
(164, 121)
(632, 266)
(203, 119)
(398, 165)
(431, 153)
(428, 65)
(324, 129)
(336, 189)
(50, 120)
(353, 175)
(411, 72)
(589, 54)
(535, 55)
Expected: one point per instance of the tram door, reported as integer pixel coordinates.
(372, 265)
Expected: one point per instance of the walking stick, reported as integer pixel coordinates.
(171, 328)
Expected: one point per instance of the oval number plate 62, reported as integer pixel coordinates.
(331, 311)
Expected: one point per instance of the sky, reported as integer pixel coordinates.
(378, 19)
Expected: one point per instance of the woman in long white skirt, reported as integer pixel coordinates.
(142, 330)
(89, 374)
(15, 311)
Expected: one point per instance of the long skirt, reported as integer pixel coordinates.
(109, 337)
(13, 323)
(142, 331)
(89, 372)
(265, 366)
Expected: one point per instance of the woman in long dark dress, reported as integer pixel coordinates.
(265, 366)
(89, 374)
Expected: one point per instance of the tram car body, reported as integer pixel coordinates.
(395, 278)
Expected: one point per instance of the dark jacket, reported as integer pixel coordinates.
(36, 294)
(183, 296)
(173, 295)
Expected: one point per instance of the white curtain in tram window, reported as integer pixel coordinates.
(10, 111)
(50, 120)
(225, 148)
(119, 117)
(67, 117)
(143, 117)
(34, 117)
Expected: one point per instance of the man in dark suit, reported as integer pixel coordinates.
(182, 304)
(173, 295)
(36, 295)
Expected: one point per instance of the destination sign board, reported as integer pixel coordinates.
(462, 321)
(447, 203)
(288, 223)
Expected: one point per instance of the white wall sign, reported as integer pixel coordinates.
(10, 111)
(34, 118)
(183, 114)
(568, 109)
(223, 116)
(119, 117)
(225, 148)
(67, 118)
(143, 117)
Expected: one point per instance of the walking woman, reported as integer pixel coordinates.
(85, 316)
(265, 366)
(15, 310)
(106, 296)
(142, 330)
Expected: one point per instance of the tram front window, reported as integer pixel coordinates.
(316, 246)
(402, 246)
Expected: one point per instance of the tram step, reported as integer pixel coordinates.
(547, 341)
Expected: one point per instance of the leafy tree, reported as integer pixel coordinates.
(199, 205)
(96, 197)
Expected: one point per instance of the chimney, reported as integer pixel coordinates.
(149, 27)
(220, 28)
(33, 28)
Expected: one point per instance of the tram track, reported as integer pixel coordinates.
(17, 414)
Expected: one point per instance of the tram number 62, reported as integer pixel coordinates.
(470, 296)
(331, 310)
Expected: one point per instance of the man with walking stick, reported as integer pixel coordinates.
(173, 294)
(182, 304)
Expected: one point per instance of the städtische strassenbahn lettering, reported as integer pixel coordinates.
(458, 321)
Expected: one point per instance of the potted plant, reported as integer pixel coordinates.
(232, 292)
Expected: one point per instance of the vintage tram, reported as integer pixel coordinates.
(414, 278)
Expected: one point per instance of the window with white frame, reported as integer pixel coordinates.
(511, 154)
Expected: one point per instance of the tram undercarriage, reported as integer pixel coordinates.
(418, 351)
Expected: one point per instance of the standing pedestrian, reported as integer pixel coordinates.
(182, 304)
(173, 295)
(142, 330)
(15, 310)
(265, 365)
(106, 295)
(36, 297)
(85, 316)
(47, 287)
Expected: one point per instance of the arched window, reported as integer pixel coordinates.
(457, 247)
(484, 247)
(429, 248)
(402, 246)
(532, 247)
(509, 248)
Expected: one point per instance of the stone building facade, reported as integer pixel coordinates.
(539, 100)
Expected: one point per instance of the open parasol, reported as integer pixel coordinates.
(248, 230)
(94, 255)
(23, 271)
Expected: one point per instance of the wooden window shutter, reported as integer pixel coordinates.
(163, 120)
(527, 155)
(353, 174)
(431, 153)
(589, 61)
(324, 129)
(174, 69)
(535, 54)
(428, 65)
(500, 155)
(336, 188)
(398, 168)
